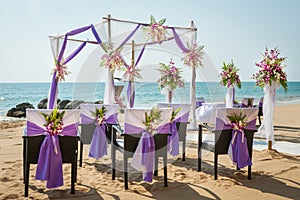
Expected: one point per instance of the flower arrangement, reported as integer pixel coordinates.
(61, 71)
(271, 69)
(238, 121)
(156, 31)
(112, 61)
(229, 75)
(120, 100)
(194, 56)
(54, 123)
(132, 72)
(152, 119)
(170, 76)
(100, 115)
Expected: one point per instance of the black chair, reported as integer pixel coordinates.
(182, 128)
(222, 140)
(31, 150)
(128, 149)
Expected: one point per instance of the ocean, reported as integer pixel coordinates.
(147, 93)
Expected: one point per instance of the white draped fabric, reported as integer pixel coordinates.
(266, 129)
(109, 92)
(229, 97)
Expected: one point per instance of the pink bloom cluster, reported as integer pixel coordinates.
(194, 56)
(113, 61)
(54, 128)
(239, 125)
(61, 72)
(156, 31)
(271, 69)
(170, 76)
(132, 72)
(100, 119)
(229, 75)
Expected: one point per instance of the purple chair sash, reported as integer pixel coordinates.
(173, 141)
(49, 166)
(238, 149)
(143, 158)
(98, 147)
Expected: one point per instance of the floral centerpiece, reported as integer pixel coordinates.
(152, 119)
(194, 56)
(61, 71)
(54, 123)
(229, 75)
(100, 115)
(170, 76)
(131, 73)
(112, 61)
(156, 31)
(271, 69)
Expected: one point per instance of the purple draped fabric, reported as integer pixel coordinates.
(129, 36)
(238, 149)
(173, 141)
(147, 150)
(53, 90)
(98, 147)
(49, 166)
(72, 55)
(179, 42)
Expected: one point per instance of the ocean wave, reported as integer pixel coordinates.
(11, 119)
(2, 98)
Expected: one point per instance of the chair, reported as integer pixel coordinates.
(260, 109)
(199, 101)
(181, 121)
(223, 132)
(135, 136)
(39, 148)
(247, 102)
(89, 128)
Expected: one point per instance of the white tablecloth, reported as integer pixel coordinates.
(207, 112)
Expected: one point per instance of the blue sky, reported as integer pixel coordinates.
(230, 30)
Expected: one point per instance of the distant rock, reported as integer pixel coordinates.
(99, 102)
(43, 103)
(74, 104)
(62, 104)
(19, 111)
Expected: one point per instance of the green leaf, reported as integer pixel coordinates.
(162, 21)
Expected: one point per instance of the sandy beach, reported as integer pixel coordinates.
(275, 175)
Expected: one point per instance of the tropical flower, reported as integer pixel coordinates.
(170, 76)
(271, 69)
(61, 71)
(229, 75)
(152, 119)
(100, 115)
(54, 123)
(194, 56)
(156, 31)
(174, 113)
(132, 72)
(112, 61)
(238, 121)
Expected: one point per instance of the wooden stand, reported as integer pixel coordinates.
(269, 145)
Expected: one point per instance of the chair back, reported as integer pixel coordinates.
(247, 102)
(182, 115)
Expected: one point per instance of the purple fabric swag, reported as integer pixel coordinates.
(49, 166)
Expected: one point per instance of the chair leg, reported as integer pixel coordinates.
(216, 166)
(199, 147)
(24, 158)
(249, 172)
(26, 179)
(183, 150)
(73, 177)
(125, 172)
(81, 153)
(113, 161)
(156, 166)
(165, 172)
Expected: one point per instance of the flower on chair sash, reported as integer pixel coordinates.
(152, 119)
(99, 114)
(238, 121)
(54, 123)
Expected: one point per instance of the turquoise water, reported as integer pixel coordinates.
(147, 94)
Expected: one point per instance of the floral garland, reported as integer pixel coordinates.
(132, 72)
(194, 56)
(54, 123)
(271, 69)
(238, 121)
(152, 119)
(229, 75)
(156, 31)
(61, 71)
(100, 115)
(170, 76)
(112, 61)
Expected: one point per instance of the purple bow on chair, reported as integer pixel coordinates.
(98, 147)
(143, 158)
(173, 141)
(238, 149)
(49, 166)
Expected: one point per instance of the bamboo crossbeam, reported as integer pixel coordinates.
(145, 24)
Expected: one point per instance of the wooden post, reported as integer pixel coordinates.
(269, 145)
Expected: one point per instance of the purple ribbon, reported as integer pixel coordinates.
(173, 141)
(147, 150)
(49, 166)
(129, 36)
(179, 42)
(98, 147)
(238, 146)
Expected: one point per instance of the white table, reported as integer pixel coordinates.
(207, 112)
